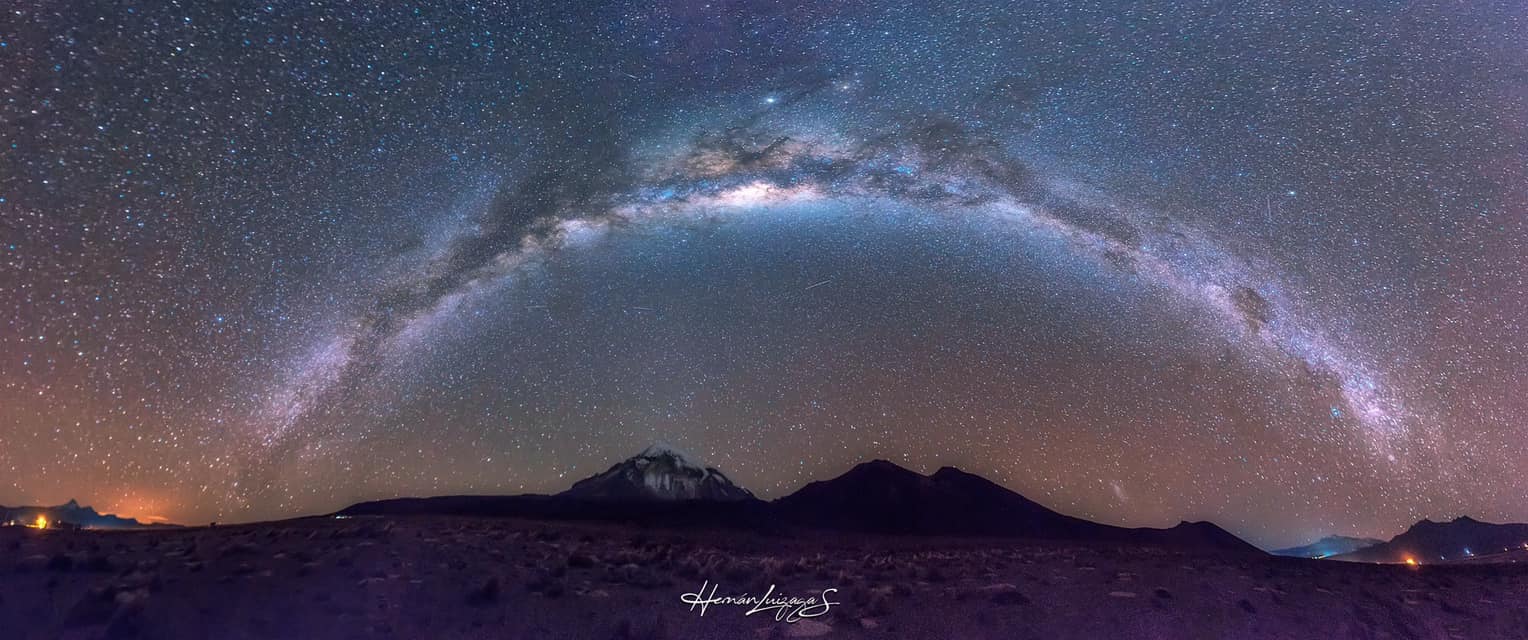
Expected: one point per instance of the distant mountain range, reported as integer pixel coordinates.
(1462, 539)
(663, 486)
(1328, 547)
(70, 513)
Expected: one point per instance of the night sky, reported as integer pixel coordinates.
(1257, 263)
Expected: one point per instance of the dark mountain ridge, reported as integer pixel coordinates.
(1457, 540)
(876, 497)
(881, 497)
(69, 514)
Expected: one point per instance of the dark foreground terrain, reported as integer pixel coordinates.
(445, 577)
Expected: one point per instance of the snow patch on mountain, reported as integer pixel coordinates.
(664, 449)
(660, 472)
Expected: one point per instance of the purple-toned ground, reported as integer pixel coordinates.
(437, 577)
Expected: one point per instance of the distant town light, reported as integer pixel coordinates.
(1410, 561)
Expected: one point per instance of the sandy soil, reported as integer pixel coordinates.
(476, 578)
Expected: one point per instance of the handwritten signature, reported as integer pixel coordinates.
(785, 608)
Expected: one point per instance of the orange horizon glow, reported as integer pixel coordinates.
(144, 505)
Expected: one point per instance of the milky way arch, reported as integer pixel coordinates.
(935, 166)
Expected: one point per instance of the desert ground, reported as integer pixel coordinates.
(439, 577)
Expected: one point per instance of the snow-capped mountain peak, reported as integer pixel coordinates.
(665, 450)
(659, 472)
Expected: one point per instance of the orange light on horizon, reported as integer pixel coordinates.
(1410, 561)
(42, 522)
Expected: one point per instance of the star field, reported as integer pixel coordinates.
(1142, 262)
